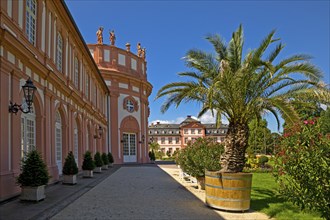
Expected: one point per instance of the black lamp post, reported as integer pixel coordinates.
(28, 90)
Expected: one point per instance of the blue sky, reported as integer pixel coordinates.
(168, 29)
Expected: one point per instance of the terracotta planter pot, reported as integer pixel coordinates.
(88, 173)
(228, 191)
(31, 193)
(98, 170)
(69, 179)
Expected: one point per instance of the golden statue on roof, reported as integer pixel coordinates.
(99, 35)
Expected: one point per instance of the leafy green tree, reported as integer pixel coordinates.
(325, 121)
(242, 88)
(154, 146)
(202, 154)
(260, 138)
(302, 167)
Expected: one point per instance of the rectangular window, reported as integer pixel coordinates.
(133, 64)
(185, 131)
(170, 140)
(177, 140)
(199, 131)
(192, 131)
(31, 15)
(76, 73)
(27, 133)
(163, 140)
(121, 59)
(106, 55)
(59, 54)
(87, 86)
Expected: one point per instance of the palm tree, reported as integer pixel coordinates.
(244, 88)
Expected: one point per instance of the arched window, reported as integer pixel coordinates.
(28, 132)
(31, 20)
(59, 52)
(75, 142)
(58, 141)
(87, 139)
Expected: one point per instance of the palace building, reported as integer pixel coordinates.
(174, 137)
(88, 97)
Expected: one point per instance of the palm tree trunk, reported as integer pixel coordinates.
(236, 141)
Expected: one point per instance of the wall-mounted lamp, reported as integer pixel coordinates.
(142, 139)
(99, 133)
(28, 90)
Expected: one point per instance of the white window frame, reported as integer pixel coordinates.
(59, 52)
(31, 20)
(76, 73)
(28, 133)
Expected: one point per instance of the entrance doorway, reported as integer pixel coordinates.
(129, 148)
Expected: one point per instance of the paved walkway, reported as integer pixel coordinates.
(58, 196)
(138, 192)
(122, 192)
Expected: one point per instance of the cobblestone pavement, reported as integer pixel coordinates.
(138, 192)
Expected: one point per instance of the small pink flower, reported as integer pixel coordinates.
(305, 122)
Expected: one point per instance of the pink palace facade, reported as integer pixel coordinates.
(89, 97)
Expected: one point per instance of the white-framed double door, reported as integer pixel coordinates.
(129, 148)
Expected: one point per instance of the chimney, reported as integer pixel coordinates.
(188, 116)
(158, 122)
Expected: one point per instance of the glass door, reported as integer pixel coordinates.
(129, 147)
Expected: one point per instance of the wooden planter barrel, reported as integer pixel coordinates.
(228, 191)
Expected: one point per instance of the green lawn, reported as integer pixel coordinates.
(265, 199)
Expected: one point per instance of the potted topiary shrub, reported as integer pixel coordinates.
(33, 178)
(111, 160)
(105, 160)
(70, 170)
(240, 88)
(98, 162)
(88, 165)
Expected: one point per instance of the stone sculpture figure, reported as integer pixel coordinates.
(143, 53)
(99, 35)
(112, 37)
(128, 47)
(139, 50)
